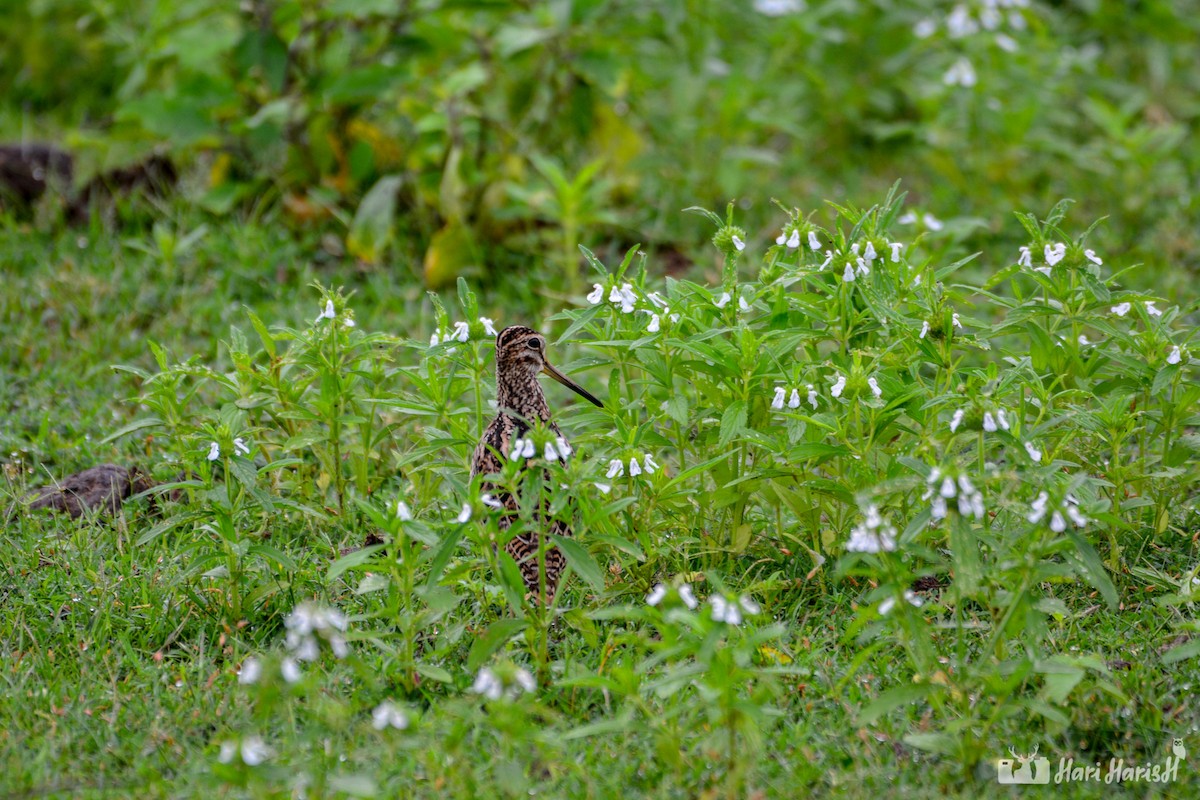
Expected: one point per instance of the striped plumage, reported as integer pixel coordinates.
(520, 356)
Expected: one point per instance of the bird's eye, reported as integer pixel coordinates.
(534, 344)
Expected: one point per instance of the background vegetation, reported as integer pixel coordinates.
(360, 153)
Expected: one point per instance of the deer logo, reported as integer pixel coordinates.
(1031, 769)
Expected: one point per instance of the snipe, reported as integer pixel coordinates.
(520, 357)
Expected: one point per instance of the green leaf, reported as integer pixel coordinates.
(1183, 652)
(581, 561)
(371, 231)
(1088, 563)
(891, 700)
(733, 421)
(133, 427)
(492, 640)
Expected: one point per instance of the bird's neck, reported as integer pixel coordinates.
(522, 396)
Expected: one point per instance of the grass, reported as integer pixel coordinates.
(121, 649)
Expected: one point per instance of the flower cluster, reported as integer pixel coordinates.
(240, 447)
(793, 401)
(730, 611)
(1121, 309)
(627, 300)
(252, 749)
(616, 467)
(389, 715)
(990, 17)
(330, 313)
(460, 333)
(944, 488)
(493, 686)
(873, 535)
(304, 625)
(552, 450)
(685, 593)
(992, 420)
(888, 603)
(928, 220)
(1069, 506)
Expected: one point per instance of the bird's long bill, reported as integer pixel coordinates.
(570, 384)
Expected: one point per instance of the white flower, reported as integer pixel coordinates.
(742, 304)
(955, 321)
(778, 8)
(1175, 356)
(863, 267)
(214, 451)
(961, 73)
(957, 419)
(656, 595)
(1055, 253)
(794, 400)
(688, 596)
(1002, 417)
(654, 324)
(794, 240)
(254, 751)
(838, 386)
(615, 469)
(328, 312)
(434, 339)
(649, 464)
(888, 603)
(487, 684)
(1033, 452)
(960, 23)
(1026, 259)
(925, 28)
(657, 300)
(464, 515)
(937, 509)
(1092, 257)
(1006, 43)
(965, 484)
(491, 502)
(989, 422)
(1057, 523)
(250, 672)
(948, 489)
(725, 611)
(873, 535)
(604, 488)
(812, 395)
(1121, 309)
(489, 327)
(564, 447)
(462, 332)
(290, 670)
(924, 329)
(349, 323)
(896, 248)
(907, 218)
(777, 402)
(550, 453)
(240, 447)
(749, 605)
(403, 512)
(814, 244)
(738, 243)
(828, 260)
(1151, 310)
(782, 237)
(1077, 519)
(723, 300)
(1083, 340)
(388, 715)
(874, 384)
(524, 680)
(848, 273)
(518, 446)
(932, 222)
(596, 295)
(635, 468)
(228, 750)
(869, 252)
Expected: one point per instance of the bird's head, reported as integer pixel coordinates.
(521, 352)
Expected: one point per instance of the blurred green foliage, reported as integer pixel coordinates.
(494, 130)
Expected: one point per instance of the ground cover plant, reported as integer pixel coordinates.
(892, 480)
